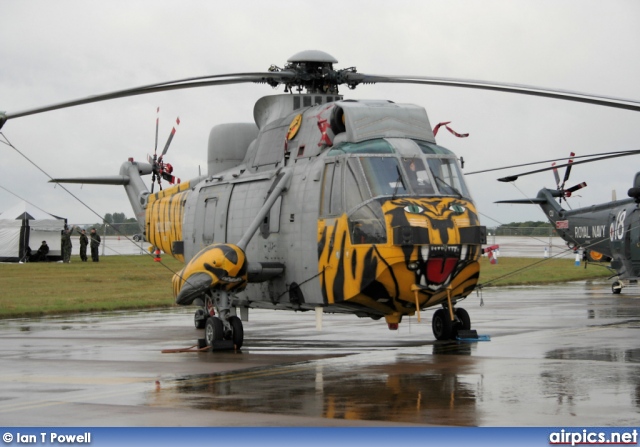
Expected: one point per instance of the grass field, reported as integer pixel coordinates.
(519, 271)
(137, 282)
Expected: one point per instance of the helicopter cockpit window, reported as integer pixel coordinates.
(378, 146)
(383, 176)
(447, 176)
(356, 188)
(418, 176)
(366, 224)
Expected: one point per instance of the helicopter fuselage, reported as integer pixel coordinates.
(395, 226)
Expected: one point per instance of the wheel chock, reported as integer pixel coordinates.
(471, 335)
(467, 334)
(222, 345)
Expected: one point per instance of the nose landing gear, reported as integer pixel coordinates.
(444, 328)
(221, 332)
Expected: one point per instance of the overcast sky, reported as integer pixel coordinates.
(57, 51)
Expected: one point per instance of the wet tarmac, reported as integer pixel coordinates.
(560, 355)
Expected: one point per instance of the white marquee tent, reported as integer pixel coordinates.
(25, 226)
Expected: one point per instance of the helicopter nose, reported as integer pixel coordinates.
(196, 285)
(221, 266)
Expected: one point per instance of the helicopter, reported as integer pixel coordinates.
(607, 232)
(322, 203)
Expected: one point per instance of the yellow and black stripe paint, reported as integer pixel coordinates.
(377, 276)
(218, 266)
(164, 218)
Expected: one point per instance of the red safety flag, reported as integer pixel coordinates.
(459, 135)
(323, 125)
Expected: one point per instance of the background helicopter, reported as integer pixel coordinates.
(395, 226)
(608, 232)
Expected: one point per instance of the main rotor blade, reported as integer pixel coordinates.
(552, 160)
(512, 178)
(292, 77)
(201, 81)
(354, 79)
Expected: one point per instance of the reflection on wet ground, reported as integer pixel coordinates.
(563, 355)
(410, 390)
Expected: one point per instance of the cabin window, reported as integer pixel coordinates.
(447, 176)
(209, 219)
(367, 225)
(271, 222)
(331, 200)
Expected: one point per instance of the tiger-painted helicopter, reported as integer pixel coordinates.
(323, 203)
(607, 232)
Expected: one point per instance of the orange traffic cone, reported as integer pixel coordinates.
(157, 257)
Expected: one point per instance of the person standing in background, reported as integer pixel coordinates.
(95, 243)
(66, 245)
(84, 241)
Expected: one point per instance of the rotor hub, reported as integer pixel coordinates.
(313, 56)
(313, 70)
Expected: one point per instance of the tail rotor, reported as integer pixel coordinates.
(160, 169)
(564, 193)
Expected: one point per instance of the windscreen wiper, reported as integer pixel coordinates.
(398, 182)
(455, 191)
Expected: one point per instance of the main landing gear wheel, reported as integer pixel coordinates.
(616, 287)
(213, 330)
(442, 325)
(238, 331)
(200, 319)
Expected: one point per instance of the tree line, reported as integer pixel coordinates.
(116, 224)
(528, 228)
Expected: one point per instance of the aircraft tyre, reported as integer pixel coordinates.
(442, 325)
(464, 320)
(200, 319)
(213, 330)
(616, 287)
(238, 331)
